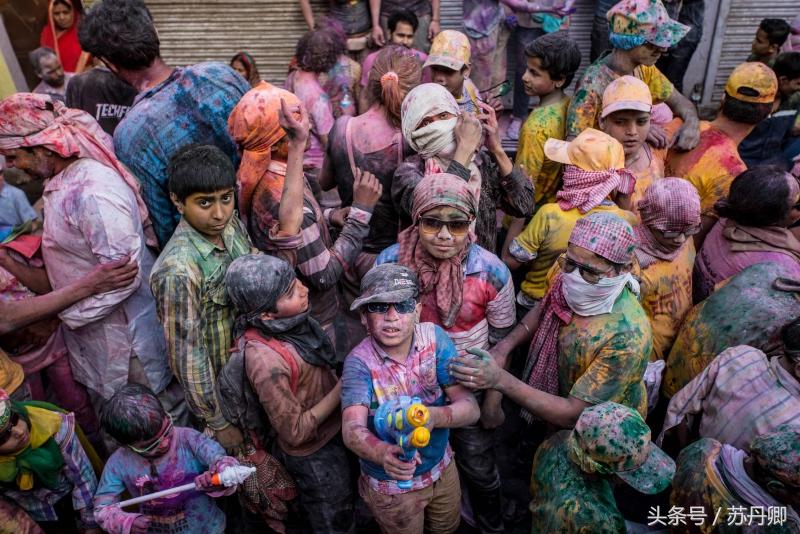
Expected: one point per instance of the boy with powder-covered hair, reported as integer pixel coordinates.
(155, 455)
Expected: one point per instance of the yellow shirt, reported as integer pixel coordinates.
(547, 236)
(666, 296)
(710, 167)
(11, 375)
(542, 124)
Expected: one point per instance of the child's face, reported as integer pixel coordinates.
(788, 87)
(208, 213)
(452, 80)
(16, 436)
(537, 81)
(446, 241)
(291, 303)
(157, 446)
(629, 127)
(647, 54)
(761, 46)
(403, 34)
(392, 328)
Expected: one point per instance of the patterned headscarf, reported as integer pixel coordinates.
(443, 276)
(30, 120)
(254, 125)
(633, 23)
(668, 205)
(610, 438)
(606, 235)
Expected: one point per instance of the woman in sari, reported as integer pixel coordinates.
(61, 34)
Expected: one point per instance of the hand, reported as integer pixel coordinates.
(467, 133)
(433, 29)
(688, 136)
(496, 104)
(476, 373)
(140, 525)
(296, 129)
(489, 120)
(657, 136)
(112, 275)
(377, 36)
(204, 481)
(5, 257)
(339, 216)
(492, 415)
(367, 190)
(397, 468)
(230, 438)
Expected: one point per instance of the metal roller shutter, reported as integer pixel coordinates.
(737, 22)
(192, 31)
(452, 14)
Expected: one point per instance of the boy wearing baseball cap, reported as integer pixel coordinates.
(450, 68)
(403, 357)
(574, 472)
(713, 164)
(626, 114)
(641, 32)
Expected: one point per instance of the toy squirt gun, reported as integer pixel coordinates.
(402, 421)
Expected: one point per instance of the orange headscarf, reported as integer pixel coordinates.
(255, 127)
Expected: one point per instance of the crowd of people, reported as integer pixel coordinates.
(223, 272)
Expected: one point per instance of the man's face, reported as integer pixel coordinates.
(403, 34)
(391, 329)
(452, 80)
(761, 46)
(629, 127)
(36, 161)
(208, 213)
(50, 71)
(446, 241)
(647, 54)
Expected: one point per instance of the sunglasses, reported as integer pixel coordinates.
(430, 225)
(12, 422)
(406, 306)
(674, 235)
(156, 442)
(590, 274)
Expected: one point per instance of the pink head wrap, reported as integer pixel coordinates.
(668, 205)
(30, 120)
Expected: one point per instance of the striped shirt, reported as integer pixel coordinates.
(740, 395)
(487, 309)
(188, 283)
(76, 477)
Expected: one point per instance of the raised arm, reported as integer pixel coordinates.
(290, 210)
(308, 13)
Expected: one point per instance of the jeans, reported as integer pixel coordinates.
(324, 486)
(521, 38)
(477, 464)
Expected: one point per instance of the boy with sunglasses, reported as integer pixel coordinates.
(468, 291)
(155, 455)
(591, 338)
(402, 356)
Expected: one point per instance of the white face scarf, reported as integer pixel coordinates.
(437, 138)
(587, 299)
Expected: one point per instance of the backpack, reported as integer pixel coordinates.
(239, 403)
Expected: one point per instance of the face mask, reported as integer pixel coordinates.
(587, 299)
(433, 138)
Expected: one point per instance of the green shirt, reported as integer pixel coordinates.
(188, 283)
(603, 357)
(565, 499)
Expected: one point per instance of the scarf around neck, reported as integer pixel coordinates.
(41, 460)
(305, 334)
(767, 239)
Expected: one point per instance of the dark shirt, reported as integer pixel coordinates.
(418, 7)
(102, 95)
(353, 15)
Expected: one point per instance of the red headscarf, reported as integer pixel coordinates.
(67, 47)
(255, 126)
(29, 120)
(444, 276)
